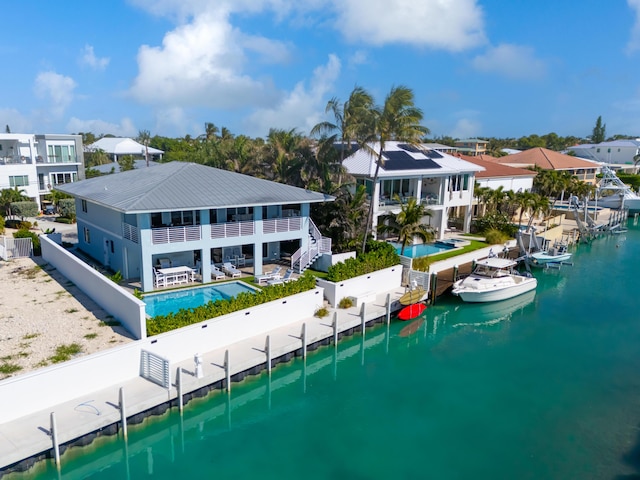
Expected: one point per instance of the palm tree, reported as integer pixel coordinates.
(349, 117)
(9, 196)
(398, 119)
(540, 205)
(144, 137)
(523, 200)
(407, 224)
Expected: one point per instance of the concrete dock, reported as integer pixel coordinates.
(81, 419)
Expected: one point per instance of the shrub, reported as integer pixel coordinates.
(116, 277)
(495, 236)
(321, 312)
(64, 220)
(378, 255)
(346, 302)
(22, 233)
(497, 221)
(25, 225)
(184, 317)
(24, 209)
(67, 208)
(1, 224)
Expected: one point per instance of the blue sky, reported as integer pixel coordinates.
(477, 67)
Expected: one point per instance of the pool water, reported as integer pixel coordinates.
(422, 250)
(170, 302)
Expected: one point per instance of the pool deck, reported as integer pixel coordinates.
(29, 436)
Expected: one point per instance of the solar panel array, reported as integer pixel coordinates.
(401, 160)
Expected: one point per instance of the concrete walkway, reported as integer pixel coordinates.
(29, 436)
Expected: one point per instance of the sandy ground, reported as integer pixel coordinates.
(42, 312)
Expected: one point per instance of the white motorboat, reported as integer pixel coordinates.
(613, 193)
(556, 254)
(492, 280)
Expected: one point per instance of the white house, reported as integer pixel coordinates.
(189, 215)
(39, 163)
(120, 146)
(617, 152)
(496, 175)
(440, 181)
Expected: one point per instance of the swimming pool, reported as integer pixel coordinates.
(169, 302)
(422, 250)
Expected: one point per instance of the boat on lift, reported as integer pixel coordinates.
(492, 280)
(613, 193)
(555, 254)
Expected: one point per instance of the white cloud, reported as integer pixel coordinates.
(302, 107)
(17, 122)
(56, 88)
(466, 128)
(452, 25)
(201, 64)
(512, 61)
(100, 127)
(89, 58)
(634, 41)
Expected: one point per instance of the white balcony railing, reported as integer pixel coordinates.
(188, 233)
(129, 232)
(232, 229)
(277, 225)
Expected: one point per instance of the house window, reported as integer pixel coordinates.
(84, 206)
(185, 218)
(86, 234)
(112, 249)
(61, 178)
(597, 150)
(19, 181)
(240, 214)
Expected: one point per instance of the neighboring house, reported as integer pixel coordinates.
(472, 146)
(119, 146)
(439, 181)
(39, 163)
(582, 169)
(496, 175)
(115, 167)
(187, 214)
(617, 152)
(510, 151)
(439, 147)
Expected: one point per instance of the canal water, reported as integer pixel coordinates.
(540, 387)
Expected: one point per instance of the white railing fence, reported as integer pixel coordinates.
(15, 247)
(232, 229)
(187, 233)
(130, 232)
(155, 368)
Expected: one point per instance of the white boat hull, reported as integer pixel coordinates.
(543, 259)
(500, 290)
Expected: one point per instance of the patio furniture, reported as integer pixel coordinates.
(176, 275)
(159, 279)
(230, 270)
(216, 273)
(241, 260)
(164, 262)
(272, 275)
(285, 279)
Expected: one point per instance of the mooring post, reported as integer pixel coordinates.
(388, 308)
(123, 413)
(180, 405)
(54, 440)
(334, 325)
(434, 287)
(303, 337)
(363, 321)
(227, 370)
(267, 350)
(455, 273)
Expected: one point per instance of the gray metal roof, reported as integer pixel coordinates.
(185, 186)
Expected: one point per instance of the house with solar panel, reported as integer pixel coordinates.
(440, 181)
(182, 214)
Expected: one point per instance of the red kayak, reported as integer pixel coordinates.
(412, 311)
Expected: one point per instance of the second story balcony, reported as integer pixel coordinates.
(56, 159)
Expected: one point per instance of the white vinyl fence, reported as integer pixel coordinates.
(15, 247)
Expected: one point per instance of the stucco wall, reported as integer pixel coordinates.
(376, 282)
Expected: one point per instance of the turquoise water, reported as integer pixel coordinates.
(540, 387)
(422, 250)
(169, 302)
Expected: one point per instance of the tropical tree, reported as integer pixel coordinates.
(523, 200)
(398, 119)
(144, 137)
(407, 224)
(349, 117)
(598, 134)
(9, 196)
(539, 205)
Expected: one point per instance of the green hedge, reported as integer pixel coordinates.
(184, 317)
(24, 209)
(379, 255)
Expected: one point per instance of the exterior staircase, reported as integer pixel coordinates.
(303, 258)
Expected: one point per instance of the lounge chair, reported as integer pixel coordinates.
(269, 276)
(230, 270)
(285, 279)
(217, 274)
